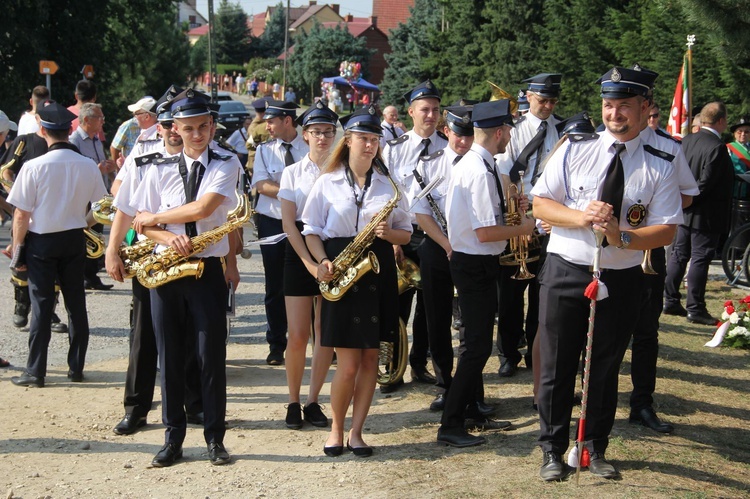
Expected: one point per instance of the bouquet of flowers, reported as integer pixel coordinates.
(733, 332)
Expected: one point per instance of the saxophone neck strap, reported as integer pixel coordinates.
(358, 199)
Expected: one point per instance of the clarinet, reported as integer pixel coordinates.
(433, 204)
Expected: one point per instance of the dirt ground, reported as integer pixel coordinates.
(58, 441)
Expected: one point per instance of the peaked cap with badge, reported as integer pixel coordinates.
(363, 120)
(492, 114)
(53, 116)
(623, 83)
(190, 103)
(545, 84)
(578, 127)
(280, 109)
(318, 114)
(425, 90)
(458, 119)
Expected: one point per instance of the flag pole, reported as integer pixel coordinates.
(689, 76)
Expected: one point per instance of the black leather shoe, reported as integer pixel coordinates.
(674, 309)
(458, 437)
(553, 468)
(129, 425)
(648, 418)
(485, 423)
(27, 379)
(275, 358)
(702, 318)
(333, 451)
(57, 326)
(97, 286)
(293, 416)
(392, 387)
(601, 467)
(217, 454)
(20, 315)
(439, 403)
(507, 369)
(167, 456)
(365, 451)
(195, 418)
(314, 415)
(75, 377)
(422, 375)
(485, 409)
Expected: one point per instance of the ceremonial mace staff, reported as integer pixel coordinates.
(592, 292)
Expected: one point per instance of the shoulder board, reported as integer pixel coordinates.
(558, 118)
(442, 135)
(664, 134)
(167, 161)
(215, 155)
(432, 156)
(521, 119)
(147, 158)
(223, 144)
(656, 152)
(266, 142)
(400, 140)
(574, 137)
(155, 139)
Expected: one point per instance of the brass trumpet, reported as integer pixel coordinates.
(519, 245)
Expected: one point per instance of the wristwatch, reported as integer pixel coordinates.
(624, 240)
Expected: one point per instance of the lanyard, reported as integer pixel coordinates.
(358, 200)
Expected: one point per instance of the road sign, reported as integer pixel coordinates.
(48, 67)
(88, 71)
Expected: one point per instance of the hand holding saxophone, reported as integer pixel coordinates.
(180, 243)
(325, 270)
(113, 264)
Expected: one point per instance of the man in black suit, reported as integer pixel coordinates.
(705, 219)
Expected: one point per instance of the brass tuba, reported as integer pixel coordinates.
(519, 245)
(498, 93)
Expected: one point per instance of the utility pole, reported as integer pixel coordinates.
(211, 54)
(286, 47)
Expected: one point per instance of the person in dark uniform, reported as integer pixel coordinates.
(435, 252)
(477, 236)
(615, 184)
(348, 200)
(50, 196)
(142, 361)
(182, 198)
(401, 156)
(532, 139)
(24, 148)
(285, 148)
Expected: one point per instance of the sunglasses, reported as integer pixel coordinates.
(655, 115)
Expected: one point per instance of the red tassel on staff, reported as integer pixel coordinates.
(592, 289)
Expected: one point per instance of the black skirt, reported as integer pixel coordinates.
(368, 313)
(297, 280)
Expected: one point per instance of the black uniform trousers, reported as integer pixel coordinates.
(437, 289)
(696, 246)
(645, 346)
(563, 320)
(419, 341)
(273, 265)
(475, 277)
(205, 300)
(141, 374)
(57, 255)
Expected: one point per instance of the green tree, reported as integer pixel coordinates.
(272, 39)
(232, 35)
(319, 53)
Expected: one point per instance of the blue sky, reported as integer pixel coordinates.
(358, 8)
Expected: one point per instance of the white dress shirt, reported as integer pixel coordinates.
(685, 179)
(574, 176)
(268, 165)
(297, 181)
(27, 124)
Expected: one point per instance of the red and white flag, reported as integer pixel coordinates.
(678, 125)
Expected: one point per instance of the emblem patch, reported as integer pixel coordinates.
(636, 214)
(616, 76)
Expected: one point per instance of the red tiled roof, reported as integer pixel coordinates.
(199, 31)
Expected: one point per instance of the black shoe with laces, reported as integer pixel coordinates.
(599, 466)
(294, 416)
(554, 469)
(314, 415)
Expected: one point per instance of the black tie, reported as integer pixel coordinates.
(288, 158)
(393, 131)
(426, 149)
(522, 163)
(193, 180)
(457, 159)
(614, 183)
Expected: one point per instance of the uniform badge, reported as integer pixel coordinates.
(636, 214)
(428, 85)
(465, 119)
(371, 110)
(616, 76)
(190, 94)
(319, 105)
(637, 67)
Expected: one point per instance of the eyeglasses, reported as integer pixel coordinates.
(652, 116)
(101, 117)
(544, 102)
(318, 134)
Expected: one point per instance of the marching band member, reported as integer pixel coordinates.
(477, 236)
(351, 191)
(177, 201)
(301, 290)
(626, 189)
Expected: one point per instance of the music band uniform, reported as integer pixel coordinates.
(54, 241)
(575, 176)
(204, 300)
(271, 158)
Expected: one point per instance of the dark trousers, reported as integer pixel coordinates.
(645, 346)
(698, 247)
(563, 324)
(273, 265)
(419, 341)
(437, 289)
(141, 374)
(475, 277)
(59, 255)
(205, 301)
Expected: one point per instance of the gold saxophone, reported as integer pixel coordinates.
(94, 240)
(350, 265)
(519, 245)
(130, 255)
(103, 211)
(157, 269)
